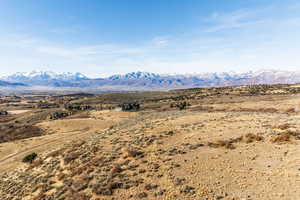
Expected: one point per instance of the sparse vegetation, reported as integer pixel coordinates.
(285, 137)
(250, 137)
(228, 144)
(132, 152)
(158, 153)
(59, 115)
(131, 106)
(30, 158)
(78, 107)
(282, 126)
(181, 105)
(36, 163)
(16, 131)
(71, 156)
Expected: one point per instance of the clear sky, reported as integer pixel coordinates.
(104, 37)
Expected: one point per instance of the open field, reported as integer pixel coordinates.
(228, 143)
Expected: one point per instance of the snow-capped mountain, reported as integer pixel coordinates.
(44, 75)
(135, 75)
(147, 80)
(10, 84)
(46, 78)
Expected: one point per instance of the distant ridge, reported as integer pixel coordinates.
(147, 80)
(10, 84)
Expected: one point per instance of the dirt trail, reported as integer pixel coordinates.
(41, 144)
(65, 131)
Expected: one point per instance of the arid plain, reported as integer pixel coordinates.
(236, 143)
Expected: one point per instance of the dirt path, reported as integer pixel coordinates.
(65, 131)
(13, 160)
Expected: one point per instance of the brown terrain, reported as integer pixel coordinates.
(231, 143)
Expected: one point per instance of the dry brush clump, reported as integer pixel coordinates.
(281, 138)
(285, 137)
(70, 157)
(180, 105)
(81, 183)
(36, 163)
(282, 126)
(228, 144)
(78, 170)
(250, 137)
(96, 161)
(133, 153)
(59, 115)
(109, 182)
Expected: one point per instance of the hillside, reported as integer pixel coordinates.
(227, 143)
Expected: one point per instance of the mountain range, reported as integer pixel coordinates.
(147, 80)
(5, 84)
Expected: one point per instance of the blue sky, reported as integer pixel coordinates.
(104, 37)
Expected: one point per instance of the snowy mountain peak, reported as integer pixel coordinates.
(44, 75)
(151, 80)
(135, 75)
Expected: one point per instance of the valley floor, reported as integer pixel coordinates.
(235, 150)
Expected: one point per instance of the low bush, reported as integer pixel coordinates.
(282, 126)
(132, 152)
(70, 157)
(30, 158)
(228, 144)
(285, 137)
(250, 137)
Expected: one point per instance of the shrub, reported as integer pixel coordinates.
(228, 144)
(30, 158)
(285, 137)
(132, 152)
(130, 106)
(250, 137)
(282, 126)
(36, 163)
(180, 105)
(222, 143)
(70, 157)
(59, 115)
(281, 138)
